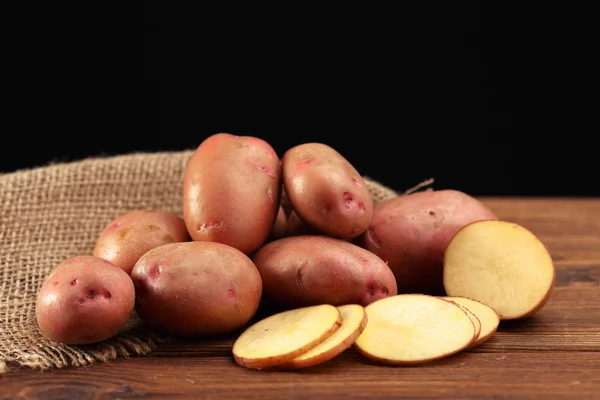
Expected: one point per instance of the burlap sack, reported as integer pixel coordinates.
(51, 213)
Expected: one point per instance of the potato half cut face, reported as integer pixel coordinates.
(501, 264)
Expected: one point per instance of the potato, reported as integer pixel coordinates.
(279, 228)
(196, 288)
(125, 239)
(411, 233)
(231, 191)
(502, 265)
(354, 320)
(326, 191)
(487, 317)
(295, 226)
(474, 319)
(313, 269)
(279, 338)
(85, 299)
(414, 329)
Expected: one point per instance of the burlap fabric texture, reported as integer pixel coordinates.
(54, 212)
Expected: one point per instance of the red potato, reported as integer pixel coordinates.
(84, 300)
(295, 226)
(196, 288)
(311, 269)
(126, 238)
(326, 191)
(411, 233)
(279, 228)
(232, 191)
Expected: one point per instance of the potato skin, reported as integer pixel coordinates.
(232, 191)
(326, 191)
(196, 288)
(126, 238)
(313, 269)
(84, 299)
(411, 233)
(295, 226)
(278, 229)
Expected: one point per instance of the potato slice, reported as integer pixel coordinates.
(474, 319)
(501, 264)
(413, 329)
(282, 337)
(485, 314)
(354, 320)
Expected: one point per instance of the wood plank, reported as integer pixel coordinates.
(552, 217)
(547, 375)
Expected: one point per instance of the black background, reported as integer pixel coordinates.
(483, 98)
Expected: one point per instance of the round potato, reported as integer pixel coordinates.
(84, 300)
(196, 288)
(411, 233)
(326, 191)
(311, 269)
(232, 191)
(125, 239)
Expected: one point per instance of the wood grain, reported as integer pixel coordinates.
(552, 355)
(467, 375)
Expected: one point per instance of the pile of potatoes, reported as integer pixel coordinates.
(296, 233)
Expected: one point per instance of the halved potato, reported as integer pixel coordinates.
(354, 320)
(485, 314)
(501, 264)
(413, 329)
(282, 337)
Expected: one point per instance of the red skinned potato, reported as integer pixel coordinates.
(278, 230)
(411, 233)
(306, 270)
(126, 238)
(196, 288)
(295, 226)
(326, 191)
(232, 191)
(84, 300)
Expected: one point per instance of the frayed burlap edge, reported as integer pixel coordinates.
(46, 354)
(53, 212)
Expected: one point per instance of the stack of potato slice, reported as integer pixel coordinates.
(401, 329)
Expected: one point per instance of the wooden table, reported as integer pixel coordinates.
(555, 354)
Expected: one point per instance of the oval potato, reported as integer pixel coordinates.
(313, 269)
(231, 191)
(326, 191)
(196, 288)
